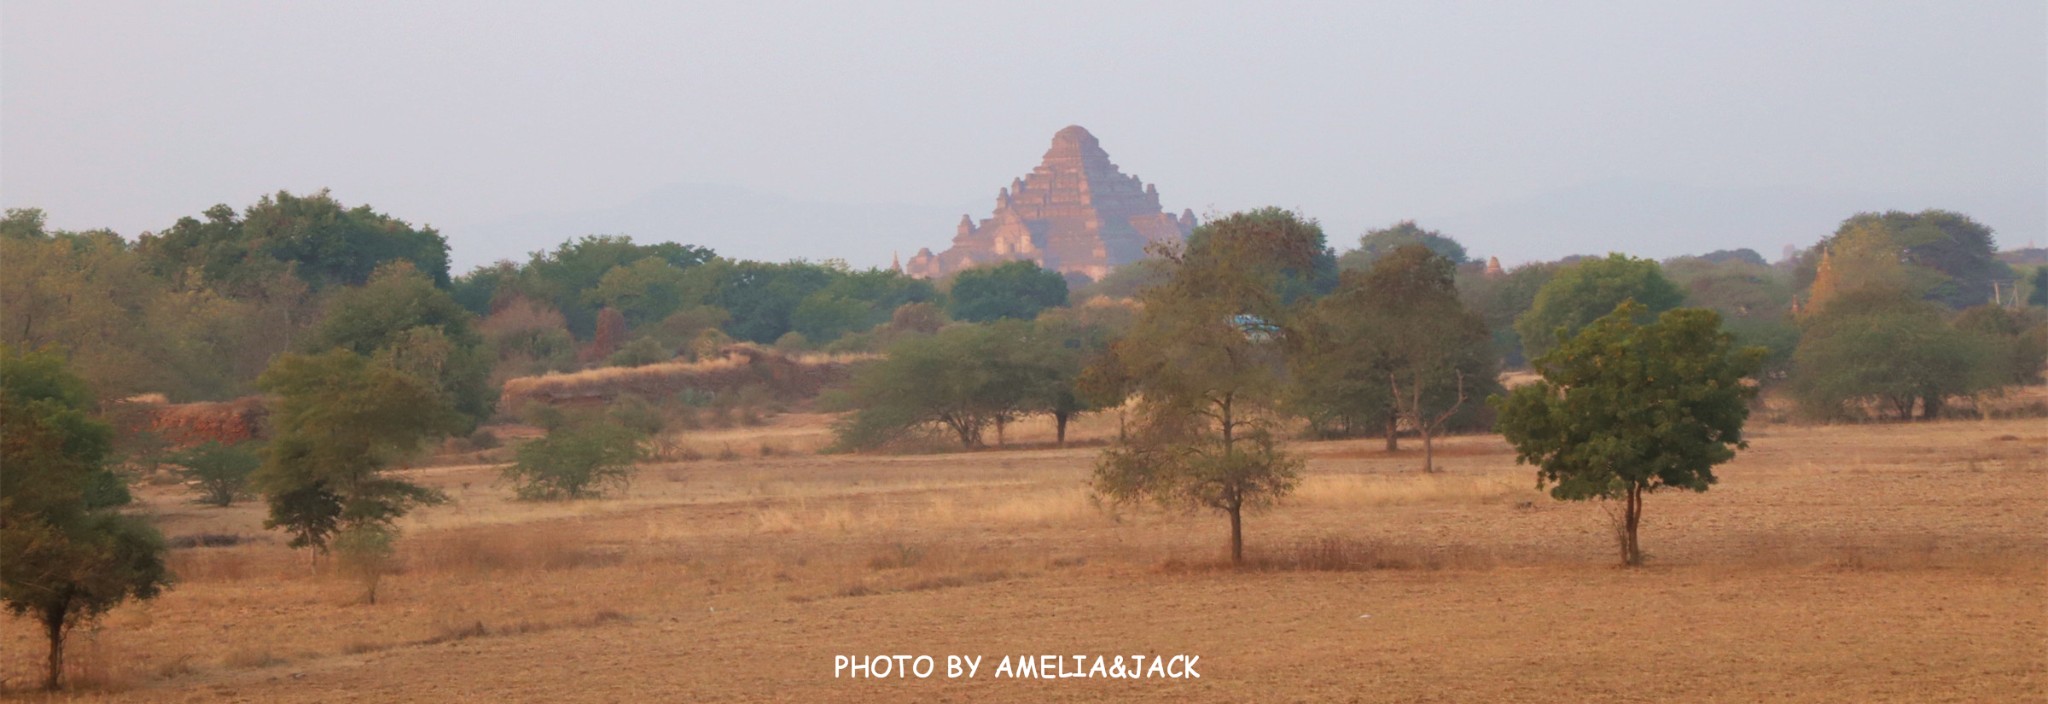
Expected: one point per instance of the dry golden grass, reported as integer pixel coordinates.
(1857, 563)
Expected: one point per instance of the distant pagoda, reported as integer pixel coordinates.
(1076, 214)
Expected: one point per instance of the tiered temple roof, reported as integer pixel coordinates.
(1076, 214)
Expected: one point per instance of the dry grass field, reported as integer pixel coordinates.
(1838, 563)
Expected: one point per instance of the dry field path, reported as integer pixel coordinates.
(1845, 563)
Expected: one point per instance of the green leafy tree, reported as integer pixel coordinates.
(961, 380)
(646, 290)
(323, 241)
(1892, 350)
(1499, 300)
(1060, 346)
(1017, 290)
(1384, 241)
(341, 420)
(220, 472)
(857, 301)
(762, 298)
(1625, 409)
(1401, 327)
(407, 324)
(1588, 290)
(92, 299)
(2037, 295)
(563, 276)
(1753, 298)
(1949, 258)
(66, 556)
(366, 553)
(579, 459)
(1206, 361)
(2016, 340)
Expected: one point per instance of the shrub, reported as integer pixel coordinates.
(576, 460)
(640, 353)
(219, 472)
(636, 414)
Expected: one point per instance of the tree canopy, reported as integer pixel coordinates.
(66, 555)
(1206, 360)
(1016, 290)
(320, 240)
(402, 320)
(1395, 342)
(1586, 291)
(1384, 241)
(340, 420)
(1627, 408)
(1948, 257)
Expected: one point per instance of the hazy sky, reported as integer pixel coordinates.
(129, 115)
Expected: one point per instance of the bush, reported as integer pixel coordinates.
(219, 472)
(364, 552)
(575, 461)
(640, 353)
(636, 414)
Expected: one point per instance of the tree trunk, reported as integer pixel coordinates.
(1393, 432)
(1000, 422)
(1428, 452)
(1631, 549)
(1059, 423)
(1237, 534)
(53, 626)
(1930, 407)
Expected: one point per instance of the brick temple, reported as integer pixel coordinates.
(1076, 214)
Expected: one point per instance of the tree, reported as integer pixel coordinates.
(646, 290)
(366, 551)
(1205, 359)
(220, 472)
(1062, 343)
(340, 421)
(93, 300)
(66, 556)
(2038, 285)
(857, 301)
(578, 459)
(1400, 325)
(1625, 409)
(961, 380)
(323, 241)
(1950, 258)
(564, 276)
(1384, 241)
(761, 297)
(1753, 298)
(1894, 350)
(527, 338)
(2016, 341)
(1018, 289)
(1499, 300)
(1588, 290)
(403, 321)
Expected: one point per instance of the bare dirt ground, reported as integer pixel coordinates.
(1840, 563)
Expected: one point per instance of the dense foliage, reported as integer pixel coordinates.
(1626, 408)
(66, 555)
(1206, 362)
(1583, 292)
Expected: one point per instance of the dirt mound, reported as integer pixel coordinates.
(187, 424)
